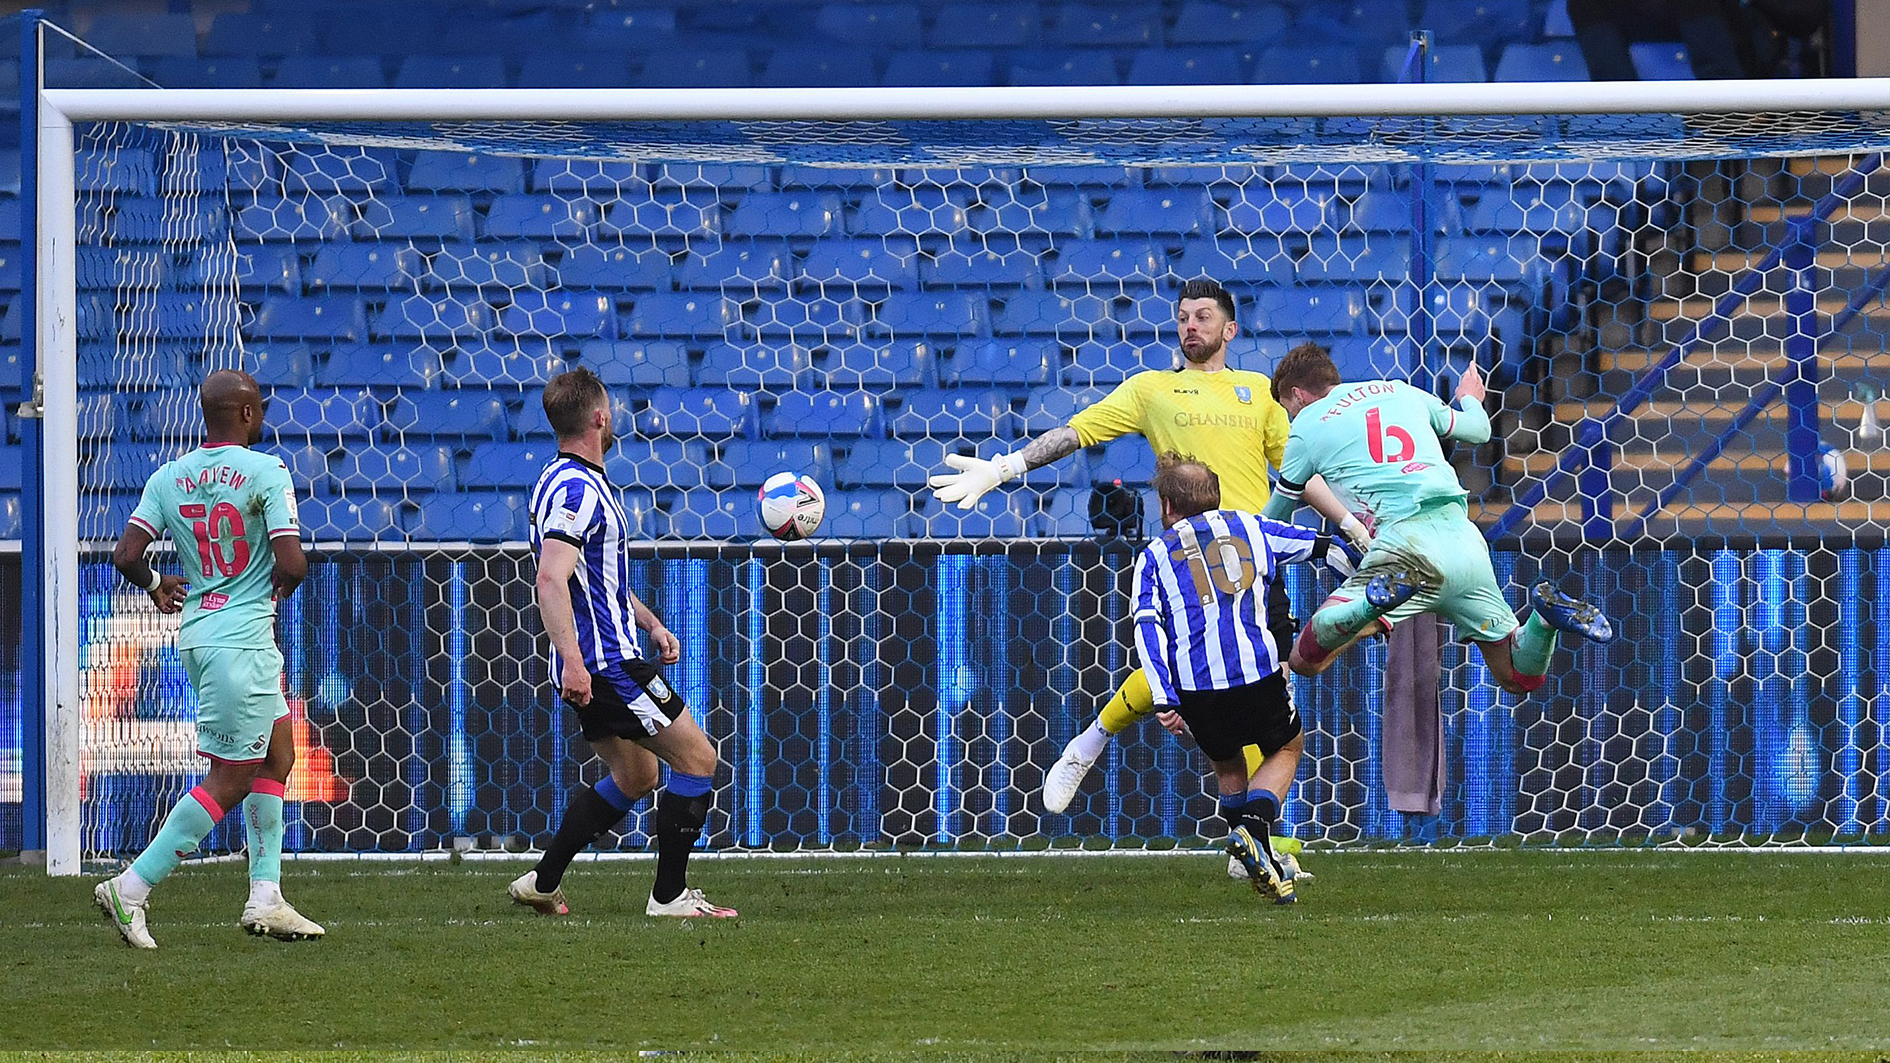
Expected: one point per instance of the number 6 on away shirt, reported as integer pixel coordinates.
(222, 505)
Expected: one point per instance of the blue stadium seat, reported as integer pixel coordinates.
(387, 471)
(669, 222)
(1148, 316)
(934, 314)
(10, 469)
(697, 412)
(339, 168)
(330, 72)
(1109, 364)
(655, 363)
(1372, 357)
(1106, 262)
(897, 213)
(1547, 208)
(110, 268)
(477, 367)
(1272, 209)
(906, 463)
(573, 70)
(855, 179)
(276, 32)
(531, 423)
(990, 267)
(755, 367)
(1064, 515)
(1554, 61)
(89, 73)
(940, 69)
(418, 217)
(864, 514)
(1661, 61)
(311, 468)
(679, 314)
(105, 522)
(345, 413)
(954, 412)
(1261, 259)
(246, 167)
(1489, 257)
(358, 517)
(451, 72)
(753, 461)
(986, 25)
(487, 265)
(1298, 310)
(544, 217)
(1164, 211)
(1379, 210)
(140, 34)
(286, 317)
(357, 365)
(433, 317)
(689, 68)
(998, 515)
(1065, 68)
(1365, 22)
(776, 214)
(1357, 258)
(1127, 459)
(795, 66)
(536, 312)
(613, 176)
(1480, 21)
(875, 366)
(473, 516)
(103, 415)
(447, 415)
(878, 25)
(713, 179)
(751, 265)
(614, 268)
(224, 72)
(127, 466)
(1204, 22)
(654, 463)
(1052, 407)
(300, 218)
(280, 365)
(1095, 25)
(1065, 314)
(507, 464)
(1448, 63)
(861, 265)
(810, 322)
(1186, 66)
(992, 362)
(714, 515)
(352, 267)
(825, 413)
(130, 170)
(1312, 64)
(452, 171)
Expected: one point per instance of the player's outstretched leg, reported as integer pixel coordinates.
(1127, 706)
(591, 812)
(1342, 621)
(1520, 663)
(266, 911)
(1571, 615)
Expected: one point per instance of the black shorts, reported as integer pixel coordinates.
(1280, 619)
(630, 700)
(1225, 721)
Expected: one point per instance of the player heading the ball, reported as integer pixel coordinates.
(1378, 444)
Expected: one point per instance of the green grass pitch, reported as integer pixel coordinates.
(981, 957)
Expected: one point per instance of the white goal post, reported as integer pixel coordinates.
(774, 115)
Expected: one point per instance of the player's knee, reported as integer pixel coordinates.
(1302, 666)
(636, 782)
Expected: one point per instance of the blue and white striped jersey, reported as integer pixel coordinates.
(573, 502)
(1201, 603)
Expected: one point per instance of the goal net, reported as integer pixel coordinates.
(1679, 314)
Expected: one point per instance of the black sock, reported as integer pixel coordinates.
(585, 820)
(679, 821)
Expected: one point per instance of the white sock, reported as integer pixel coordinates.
(1090, 744)
(133, 889)
(264, 893)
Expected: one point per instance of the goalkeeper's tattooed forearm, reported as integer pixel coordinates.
(1054, 445)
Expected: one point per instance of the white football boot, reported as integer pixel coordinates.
(281, 921)
(1289, 865)
(127, 917)
(524, 890)
(1065, 777)
(689, 904)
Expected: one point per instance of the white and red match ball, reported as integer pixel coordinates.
(791, 506)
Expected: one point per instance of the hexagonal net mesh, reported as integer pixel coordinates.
(1680, 333)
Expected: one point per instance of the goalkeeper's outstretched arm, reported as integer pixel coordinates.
(977, 475)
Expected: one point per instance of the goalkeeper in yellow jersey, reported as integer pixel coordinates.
(1226, 418)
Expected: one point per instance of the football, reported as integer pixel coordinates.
(791, 506)
(1834, 474)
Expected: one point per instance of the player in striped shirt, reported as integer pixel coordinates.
(629, 715)
(1206, 642)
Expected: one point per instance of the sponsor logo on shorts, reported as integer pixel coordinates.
(212, 601)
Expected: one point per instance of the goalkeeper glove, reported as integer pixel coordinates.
(976, 476)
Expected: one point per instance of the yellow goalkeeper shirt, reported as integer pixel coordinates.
(1227, 419)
